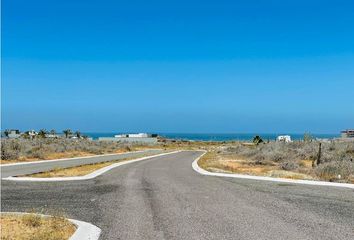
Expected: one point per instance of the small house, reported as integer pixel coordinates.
(284, 138)
(349, 133)
(14, 133)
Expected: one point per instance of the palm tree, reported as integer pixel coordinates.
(308, 137)
(78, 134)
(7, 132)
(67, 132)
(26, 135)
(42, 133)
(257, 140)
(53, 132)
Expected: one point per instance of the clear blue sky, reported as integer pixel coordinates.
(178, 66)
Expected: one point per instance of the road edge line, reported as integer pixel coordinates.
(202, 171)
(84, 231)
(87, 176)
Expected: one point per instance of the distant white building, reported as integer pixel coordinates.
(349, 133)
(133, 135)
(14, 133)
(284, 138)
(49, 135)
(32, 133)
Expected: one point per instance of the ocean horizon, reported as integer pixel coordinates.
(220, 136)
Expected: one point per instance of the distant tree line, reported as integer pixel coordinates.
(43, 133)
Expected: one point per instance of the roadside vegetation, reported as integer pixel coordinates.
(329, 161)
(22, 149)
(35, 227)
(192, 145)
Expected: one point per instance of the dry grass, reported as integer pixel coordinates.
(193, 145)
(215, 162)
(289, 174)
(81, 170)
(233, 164)
(35, 227)
(73, 171)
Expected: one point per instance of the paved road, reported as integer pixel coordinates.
(163, 198)
(20, 169)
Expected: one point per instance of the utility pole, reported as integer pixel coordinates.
(319, 154)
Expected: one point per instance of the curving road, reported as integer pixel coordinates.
(163, 198)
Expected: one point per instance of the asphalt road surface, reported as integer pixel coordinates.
(41, 166)
(163, 198)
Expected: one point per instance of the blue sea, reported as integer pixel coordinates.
(221, 136)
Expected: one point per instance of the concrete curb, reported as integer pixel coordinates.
(85, 177)
(202, 171)
(74, 158)
(84, 231)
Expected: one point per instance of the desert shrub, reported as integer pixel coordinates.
(292, 152)
(337, 157)
(45, 235)
(350, 151)
(10, 150)
(288, 166)
(59, 148)
(32, 220)
(95, 150)
(336, 170)
(38, 153)
(332, 146)
(258, 158)
(8, 154)
(308, 137)
(276, 156)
